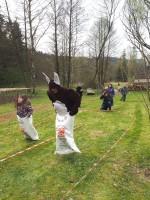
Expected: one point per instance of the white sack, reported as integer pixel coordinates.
(27, 125)
(65, 143)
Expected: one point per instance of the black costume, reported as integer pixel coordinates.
(67, 96)
(66, 103)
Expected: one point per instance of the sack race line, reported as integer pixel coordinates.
(28, 149)
(91, 169)
(32, 147)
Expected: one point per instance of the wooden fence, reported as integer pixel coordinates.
(8, 94)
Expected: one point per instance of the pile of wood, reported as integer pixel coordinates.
(139, 85)
(133, 87)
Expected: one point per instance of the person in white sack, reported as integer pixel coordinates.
(24, 116)
(66, 103)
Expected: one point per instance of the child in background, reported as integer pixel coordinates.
(107, 100)
(24, 116)
(123, 92)
(111, 91)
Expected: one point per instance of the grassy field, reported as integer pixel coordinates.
(123, 173)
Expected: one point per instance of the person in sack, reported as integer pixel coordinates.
(111, 92)
(107, 101)
(24, 116)
(66, 103)
(123, 92)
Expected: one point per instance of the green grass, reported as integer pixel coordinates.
(41, 175)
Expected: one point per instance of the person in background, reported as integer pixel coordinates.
(24, 116)
(107, 101)
(118, 88)
(123, 92)
(111, 91)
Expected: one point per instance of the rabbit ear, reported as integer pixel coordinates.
(46, 77)
(56, 78)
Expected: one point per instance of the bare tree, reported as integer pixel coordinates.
(70, 40)
(147, 2)
(66, 21)
(63, 40)
(137, 25)
(75, 17)
(35, 27)
(109, 7)
(25, 29)
(55, 15)
(102, 34)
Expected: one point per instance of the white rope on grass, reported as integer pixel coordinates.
(27, 149)
(69, 192)
(31, 147)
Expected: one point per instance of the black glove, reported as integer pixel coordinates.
(73, 111)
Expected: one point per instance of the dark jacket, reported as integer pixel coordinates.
(69, 97)
(107, 101)
(124, 91)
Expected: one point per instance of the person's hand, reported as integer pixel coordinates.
(73, 112)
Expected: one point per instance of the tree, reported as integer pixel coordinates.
(66, 22)
(34, 15)
(15, 35)
(11, 52)
(56, 12)
(137, 23)
(17, 42)
(102, 40)
(124, 66)
(119, 75)
(132, 63)
(74, 17)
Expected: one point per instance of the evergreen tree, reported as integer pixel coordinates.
(12, 63)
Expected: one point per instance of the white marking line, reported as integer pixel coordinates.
(94, 166)
(30, 148)
(27, 149)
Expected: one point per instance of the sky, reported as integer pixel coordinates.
(90, 7)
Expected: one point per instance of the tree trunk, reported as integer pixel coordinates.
(56, 40)
(28, 69)
(33, 72)
(70, 45)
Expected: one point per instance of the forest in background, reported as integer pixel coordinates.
(21, 63)
(15, 68)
